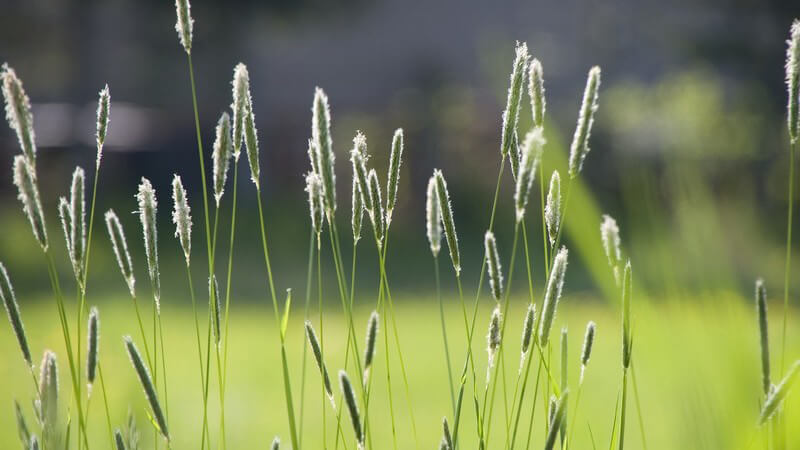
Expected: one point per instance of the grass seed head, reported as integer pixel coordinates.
(93, 339)
(241, 98)
(357, 217)
(511, 113)
(14, 317)
(555, 421)
(221, 158)
(48, 390)
(531, 155)
(588, 342)
(120, 246)
(359, 158)
(626, 317)
(148, 208)
(103, 114)
(793, 80)
(317, 351)
(18, 113)
(580, 140)
(321, 134)
(251, 138)
(276, 444)
(493, 266)
(493, 338)
(213, 297)
(446, 212)
(118, 440)
(28, 194)
(527, 332)
(352, 406)
(181, 217)
(395, 160)
(78, 223)
(433, 217)
(447, 438)
(372, 335)
(536, 92)
(378, 215)
(315, 201)
(763, 328)
(552, 210)
(147, 384)
(65, 214)
(552, 295)
(34, 443)
(184, 24)
(609, 233)
(775, 398)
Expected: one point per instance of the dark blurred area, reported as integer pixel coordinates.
(689, 150)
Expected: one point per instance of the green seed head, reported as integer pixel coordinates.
(395, 160)
(552, 210)
(626, 317)
(184, 24)
(779, 393)
(28, 194)
(580, 140)
(372, 335)
(93, 339)
(317, 351)
(552, 295)
(763, 328)
(527, 332)
(120, 246)
(78, 223)
(241, 98)
(588, 342)
(48, 390)
(14, 317)
(221, 158)
(148, 207)
(446, 212)
(609, 233)
(181, 217)
(352, 405)
(103, 113)
(276, 444)
(378, 215)
(536, 92)
(531, 154)
(321, 135)
(793, 80)
(357, 217)
(216, 310)
(511, 113)
(147, 384)
(433, 218)
(557, 417)
(493, 338)
(493, 266)
(18, 113)
(251, 139)
(446, 436)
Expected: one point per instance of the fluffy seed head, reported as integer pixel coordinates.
(357, 216)
(78, 222)
(763, 328)
(446, 436)
(14, 317)
(378, 215)
(147, 384)
(321, 134)
(48, 389)
(779, 393)
(213, 297)
(103, 113)
(28, 194)
(552, 295)
(433, 217)
(181, 216)
(446, 212)
(372, 335)
(493, 266)
(626, 317)
(148, 207)
(511, 113)
(552, 210)
(65, 214)
(531, 154)
(588, 342)
(317, 351)
(609, 233)
(359, 158)
(395, 160)
(536, 92)
(241, 98)
(493, 338)
(580, 140)
(184, 24)
(223, 150)
(793, 79)
(352, 405)
(555, 421)
(93, 338)
(527, 332)
(18, 113)
(315, 201)
(251, 137)
(120, 246)
(564, 362)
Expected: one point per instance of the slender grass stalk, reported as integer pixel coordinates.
(148, 385)
(557, 414)
(626, 347)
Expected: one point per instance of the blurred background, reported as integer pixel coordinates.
(689, 148)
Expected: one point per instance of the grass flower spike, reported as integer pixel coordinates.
(536, 92)
(763, 328)
(555, 423)
(627, 343)
(378, 215)
(511, 114)
(241, 100)
(216, 310)
(493, 266)
(28, 194)
(552, 210)
(609, 233)
(181, 217)
(147, 384)
(103, 113)
(588, 342)
(352, 406)
(317, 351)
(793, 80)
(433, 217)
(531, 154)
(446, 211)
(357, 217)
(18, 113)
(552, 295)
(493, 339)
(358, 158)
(321, 134)
(315, 201)
(251, 135)
(223, 151)
(580, 140)
(395, 160)
(276, 444)
(447, 438)
(120, 246)
(779, 393)
(78, 223)
(48, 390)
(148, 207)
(14, 317)
(184, 24)
(93, 339)
(527, 333)
(372, 336)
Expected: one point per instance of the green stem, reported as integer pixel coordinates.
(309, 276)
(199, 356)
(787, 271)
(105, 404)
(638, 405)
(444, 332)
(624, 407)
(229, 275)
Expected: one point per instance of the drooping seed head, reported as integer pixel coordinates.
(352, 405)
(181, 217)
(395, 160)
(609, 233)
(147, 384)
(78, 223)
(184, 24)
(357, 217)
(531, 155)
(433, 218)
(446, 436)
(241, 98)
(120, 246)
(552, 209)
(763, 328)
(793, 80)
(48, 390)
(378, 216)
(317, 351)
(93, 339)
(118, 440)
(493, 266)
(276, 444)
(527, 332)
(103, 114)
(22, 426)
(536, 92)
(148, 207)
(515, 88)
(28, 194)
(315, 201)
(213, 297)
(555, 422)
(446, 212)
(552, 295)
(223, 150)
(321, 134)
(779, 393)
(359, 158)
(372, 335)
(626, 316)
(18, 113)
(580, 140)
(14, 317)
(588, 342)
(493, 338)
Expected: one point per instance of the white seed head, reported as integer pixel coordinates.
(588, 342)
(793, 80)
(223, 150)
(251, 139)
(609, 233)
(536, 92)
(395, 160)
(447, 219)
(377, 216)
(184, 24)
(433, 218)
(148, 207)
(18, 113)
(312, 156)
(552, 295)
(241, 98)
(552, 210)
(580, 140)
(359, 157)
(65, 214)
(321, 135)
(493, 265)
(78, 225)
(48, 390)
(531, 155)
(181, 217)
(120, 246)
(357, 216)
(315, 201)
(103, 114)
(516, 82)
(28, 194)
